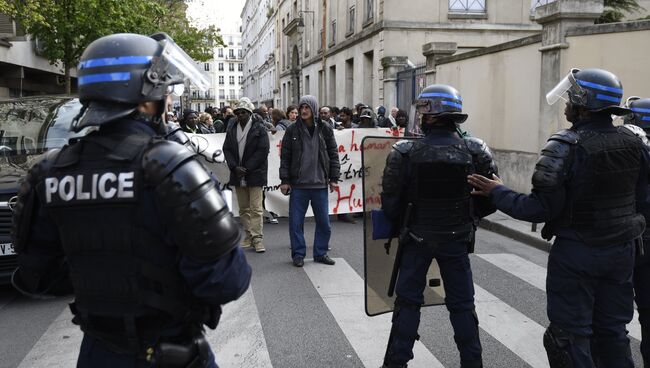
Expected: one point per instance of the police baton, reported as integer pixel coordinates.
(400, 245)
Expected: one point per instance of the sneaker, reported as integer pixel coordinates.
(325, 260)
(246, 243)
(298, 262)
(346, 217)
(273, 220)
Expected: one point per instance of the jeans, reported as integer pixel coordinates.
(298, 203)
(94, 354)
(456, 274)
(589, 296)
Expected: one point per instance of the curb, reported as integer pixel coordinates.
(533, 241)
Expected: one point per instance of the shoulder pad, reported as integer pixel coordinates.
(566, 135)
(404, 146)
(162, 158)
(475, 145)
(637, 131)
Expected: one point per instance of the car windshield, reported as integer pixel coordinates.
(32, 126)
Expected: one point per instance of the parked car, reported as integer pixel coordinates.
(28, 127)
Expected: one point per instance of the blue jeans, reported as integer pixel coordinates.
(93, 354)
(456, 275)
(298, 203)
(589, 295)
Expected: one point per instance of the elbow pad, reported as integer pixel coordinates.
(200, 222)
(23, 212)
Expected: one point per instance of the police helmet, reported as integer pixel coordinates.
(594, 90)
(441, 100)
(119, 71)
(640, 112)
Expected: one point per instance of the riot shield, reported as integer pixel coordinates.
(379, 259)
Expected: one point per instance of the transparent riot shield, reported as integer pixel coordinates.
(379, 258)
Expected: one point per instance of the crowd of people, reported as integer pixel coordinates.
(214, 120)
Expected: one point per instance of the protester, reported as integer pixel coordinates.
(345, 117)
(309, 164)
(280, 120)
(366, 119)
(246, 149)
(326, 116)
(205, 125)
(190, 122)
(292, 113)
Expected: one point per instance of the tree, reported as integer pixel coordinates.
(615, 10)
(66, 27)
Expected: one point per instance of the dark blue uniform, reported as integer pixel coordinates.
(450, 240)
(139, 226)
(589, 282)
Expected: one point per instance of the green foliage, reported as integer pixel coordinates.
(66, 27)
(615, 10)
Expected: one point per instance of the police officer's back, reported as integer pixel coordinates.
(589, 186)
(133, 223)
(426, 194)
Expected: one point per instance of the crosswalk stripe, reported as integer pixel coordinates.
(341, 288)
(536, 276)
(510, 327)
(239, 340)
(58, 347)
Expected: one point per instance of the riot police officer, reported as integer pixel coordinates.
(588, 187)
(132, 223)
(429, 176)
(639, 122)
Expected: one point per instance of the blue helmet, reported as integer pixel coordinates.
(441, 100)
(640, 115)
(594, 90)
(120, 71)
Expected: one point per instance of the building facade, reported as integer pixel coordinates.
(259, 40)
(346, 52)
(23, 72)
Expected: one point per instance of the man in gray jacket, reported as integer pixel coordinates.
(309, 164)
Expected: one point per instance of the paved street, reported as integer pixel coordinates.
(314, 316)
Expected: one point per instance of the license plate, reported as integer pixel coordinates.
(6, 249)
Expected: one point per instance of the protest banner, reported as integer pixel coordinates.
(347, 199)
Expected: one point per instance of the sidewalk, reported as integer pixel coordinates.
(521, 231)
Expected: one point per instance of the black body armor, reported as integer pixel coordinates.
(443, 208)
(601, 203)
(127, 207)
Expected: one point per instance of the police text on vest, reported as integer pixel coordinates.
(90, 187)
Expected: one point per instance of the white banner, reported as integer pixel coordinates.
(347, 199)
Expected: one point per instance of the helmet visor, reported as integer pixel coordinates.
(415, 119)
(424, 106)
(562, 88)
(175, 56)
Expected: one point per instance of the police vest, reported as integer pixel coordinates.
(124, 271)
(442, 204)
(602, 203)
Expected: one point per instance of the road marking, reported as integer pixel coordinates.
(536, 276)
(239, 340)
(58, 347)
(520, 334)
(341, 288)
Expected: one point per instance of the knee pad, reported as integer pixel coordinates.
(409, 321)
(556, 343)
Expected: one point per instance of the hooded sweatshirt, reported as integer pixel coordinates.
(312, 175)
